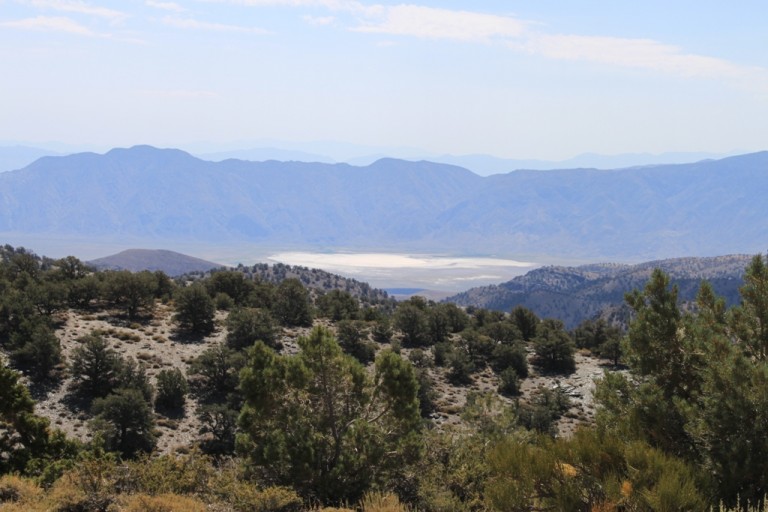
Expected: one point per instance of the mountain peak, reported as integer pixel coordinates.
(147, 151)
(170, 262)
(151, 158)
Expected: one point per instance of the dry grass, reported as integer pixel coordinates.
(18, 491)
(380, 502)
(162, 503)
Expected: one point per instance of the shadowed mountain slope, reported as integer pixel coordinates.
(574, 294)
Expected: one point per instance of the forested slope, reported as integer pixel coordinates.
(229, 392)
(575, 294)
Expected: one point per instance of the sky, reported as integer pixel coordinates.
(539, 79)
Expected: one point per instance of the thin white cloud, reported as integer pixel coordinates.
(523, 36)
(51, 24)
(641, 54)
(328, 4)
(637, 53)
(165, 6)
(192, 24)
(433, 23)
(427, 22)
(351, 6)
(319, 20)
(79, 7)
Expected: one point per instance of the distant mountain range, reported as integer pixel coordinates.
(574, 294)
(264, 154)
(13, 157)
(654, 212)
(172, 263)
(482, 165)
(485, 165)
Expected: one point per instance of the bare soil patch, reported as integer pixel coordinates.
(153, 340)
(156, 341)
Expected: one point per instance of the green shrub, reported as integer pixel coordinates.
(510, 382)
(460, 367)
(544, 408)
(382, 330)
(195, 309)
(419, 358)
(172, 389)
(513, 356)
(441, 351)
(36, 348)
(353, 339)
(223, 302)
(246, 326)
(554, 348)
(125, 421)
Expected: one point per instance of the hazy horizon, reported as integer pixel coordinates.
(15, 155)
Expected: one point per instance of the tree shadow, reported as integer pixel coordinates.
(544, 371)
(40, 389)
(608, 365)
(172, 413)
(77, 401)
(125, 321)
(186, 337)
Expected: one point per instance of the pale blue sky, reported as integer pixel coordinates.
(536, 79)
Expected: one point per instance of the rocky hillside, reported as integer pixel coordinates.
(188, 268)
(133, 330)
(574, 294)
(315, 279)
(156, 343)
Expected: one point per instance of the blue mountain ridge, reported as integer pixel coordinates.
(700, 209)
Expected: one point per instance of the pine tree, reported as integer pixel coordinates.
(125, 420)
(194, 309)
(554, 347)
(292, 305)
(95, 366)
(317, 421)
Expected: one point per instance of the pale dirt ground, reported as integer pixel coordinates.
(579, 385)
(155, 341)
(152, 341)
